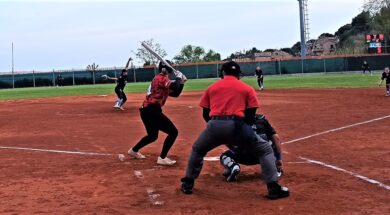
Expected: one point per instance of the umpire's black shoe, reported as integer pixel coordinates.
(275, 191)
(187, 184)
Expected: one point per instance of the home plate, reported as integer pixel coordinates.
(211, 158)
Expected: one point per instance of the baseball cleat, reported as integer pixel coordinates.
(233, 175)
(121, 108)
(187, 185)
(166, 161)
(226, 172)
(136, 155)
(275, 191)
(279, 173)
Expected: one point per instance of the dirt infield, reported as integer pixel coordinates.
(50, 182)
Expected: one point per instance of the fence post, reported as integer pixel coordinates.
(93, 76)
(54, 81)
(302, 65)
(197, 71)
(280, 68)
(33, 78)
(135, 76)
(73, 77)
(324, 65)
(217, 70)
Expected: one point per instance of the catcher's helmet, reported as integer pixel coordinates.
(230, 68)
(161, 65)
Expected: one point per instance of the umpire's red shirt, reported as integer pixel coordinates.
(158, 91)
(229, 96)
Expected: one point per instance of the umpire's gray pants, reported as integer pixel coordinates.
(234, 134)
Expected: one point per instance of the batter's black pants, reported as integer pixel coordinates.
(155, 121)
(121, 95)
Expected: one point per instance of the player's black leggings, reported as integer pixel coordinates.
(121, 95)
(260, 82)
(155, 121)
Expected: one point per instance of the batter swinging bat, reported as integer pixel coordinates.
(159, 57)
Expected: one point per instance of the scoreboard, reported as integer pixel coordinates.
(374, 42)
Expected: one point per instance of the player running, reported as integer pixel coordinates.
(153, 117)
(231, 158)
(229, 107)
(386, 75)
(120, 86)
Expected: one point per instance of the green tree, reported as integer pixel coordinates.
(211, 55)
(326, 35)
(287, 50)
(382, 24)
(190, 53)
(361, 23)
(375, 6)
(146, 56)
(296, 49)
(343, 29)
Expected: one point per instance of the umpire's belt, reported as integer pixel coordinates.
(229, 117)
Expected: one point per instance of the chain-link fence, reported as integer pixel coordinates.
(195, 71)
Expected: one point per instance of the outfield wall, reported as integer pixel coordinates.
(197, 71)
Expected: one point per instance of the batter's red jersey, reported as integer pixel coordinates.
(229, 96)
(158, 90)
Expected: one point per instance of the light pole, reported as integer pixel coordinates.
(13, 78)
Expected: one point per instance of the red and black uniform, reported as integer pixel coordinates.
(152, 115)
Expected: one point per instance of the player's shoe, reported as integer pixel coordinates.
(388, 93)
(121, 108)
(136, 155)
(279, 173)
(233, 174)
(226, 172)
(116, 106)
(275, 191)
(187, 185)
(166, 161)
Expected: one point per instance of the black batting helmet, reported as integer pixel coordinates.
(161, 65)
(230, 68)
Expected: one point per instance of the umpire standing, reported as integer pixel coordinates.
(229, 107)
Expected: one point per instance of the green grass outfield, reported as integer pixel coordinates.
(271, 82)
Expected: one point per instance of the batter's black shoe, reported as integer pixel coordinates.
(187, 184)
(275, 191)
(233, 175)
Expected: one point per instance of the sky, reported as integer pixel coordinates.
(73, 34)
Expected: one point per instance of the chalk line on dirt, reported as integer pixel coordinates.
(153, 196)
(369, 180)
